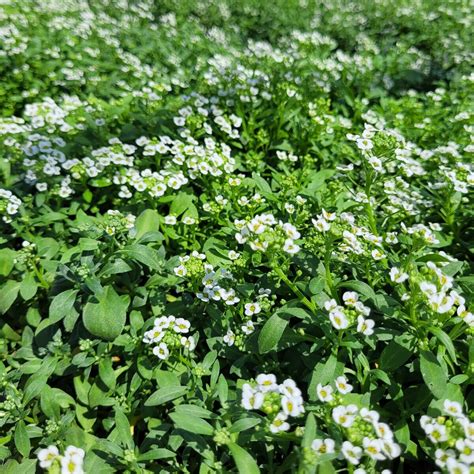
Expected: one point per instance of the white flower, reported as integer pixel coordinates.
(453, 408)
(154, 335)
(364, 144)
(344, 415)
(161, 351)
(436, 432)
(374, 448)
(248, 327)
(442, 456)
(321, 225)
(188, 343)
(47, 456)
(267, 383)
(279, 423)
(290, 247)
(73, 451)
(324, 393)
(351, 453)
(397, 276)
(180, 271)
(329, 305)
(251, 399)
(289, 388)
(365, 326)
(391, 449)
(350, 298)
(455, 467)
(338, 319)
(229, 338)
(383, 431)
(233, 255)
(170, 220)
(377, 254)
(181, 325)
(252, 308)
(369, 415)
(323, 446)
(466, 450)
(71, 465)
(292, 406)
(342, 385)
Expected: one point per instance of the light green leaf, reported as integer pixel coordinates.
(243, 460)
(166, 394)
(191, 423)
(271, 333)
(104, 316)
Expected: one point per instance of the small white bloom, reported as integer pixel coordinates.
(397, 276)
(453, 408)
(323, 446)
(365, 326)
(342, 385)
(279, 423)
(290, 247)
(324, 392)
(47, 456)
(374, 448)
(267, 382)
(251, 399)
(161, 351)
(351, 452)
(252, 308)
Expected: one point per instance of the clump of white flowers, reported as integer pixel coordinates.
(438, 292)
(265, 232)
(365, 434)
(71, 462)
(280, 401)
(453, 437)
(169, 333)
(354, 312)
(9, 205)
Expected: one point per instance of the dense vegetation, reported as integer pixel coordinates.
(236, 236)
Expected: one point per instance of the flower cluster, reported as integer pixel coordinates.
(71, 462)
(353, 312)
(9, 205)
(453, 437)
(264, 232)
(279, 401)
(365, 434)
(168, 334)
(438, 292)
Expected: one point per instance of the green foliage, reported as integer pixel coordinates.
(236, 236)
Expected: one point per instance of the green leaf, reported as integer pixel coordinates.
(147, 221)
(361, 288)
(396, 353)
(434, 375)
(106, 372)
(244, 424)
(166, 394)
(445, 341)
(8, 292)
(143, 254)
(104, 316)
(7, 261)
(193, 424)
(122, 426)
(271, 333)
(243, 460)
(22, 441)
(61, 305)
(28, 287)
